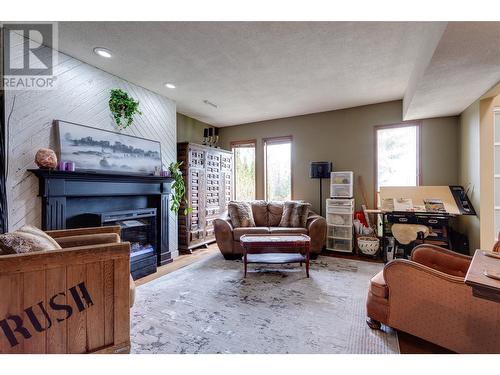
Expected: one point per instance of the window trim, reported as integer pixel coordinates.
(277, 140)
(404, 124)
(235, 144)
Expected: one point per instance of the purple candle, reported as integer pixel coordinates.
(61, 166)
(70, 166)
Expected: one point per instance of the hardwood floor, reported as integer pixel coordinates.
(408, 344)
(179, 262)
(336, 254)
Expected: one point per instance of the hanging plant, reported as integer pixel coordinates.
(123, 107)
(179, 189)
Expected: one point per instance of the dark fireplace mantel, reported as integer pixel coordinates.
(68, 196)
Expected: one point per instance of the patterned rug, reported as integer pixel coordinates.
(208, 307)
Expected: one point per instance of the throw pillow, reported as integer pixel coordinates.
(40, 233)
(294, 214)
(275, 213)
(240, 214)
(259, 211)
(26, 240)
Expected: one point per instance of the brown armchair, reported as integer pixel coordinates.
(427, 297)
(267, 216)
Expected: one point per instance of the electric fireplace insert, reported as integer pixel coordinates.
(139, 228)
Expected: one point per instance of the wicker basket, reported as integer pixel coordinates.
(368, 245)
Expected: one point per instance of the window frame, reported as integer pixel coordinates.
(278, 140)
(404, 124)
(496, 208)
(236, 144)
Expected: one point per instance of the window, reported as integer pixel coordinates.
(278, 168)
(244, 170)
(397, 160)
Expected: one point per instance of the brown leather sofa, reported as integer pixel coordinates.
(267, 216)
(427, 297)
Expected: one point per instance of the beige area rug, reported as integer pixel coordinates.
(208, 307)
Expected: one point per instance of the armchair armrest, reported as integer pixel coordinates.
(80, 231)
(442, 260)
(87, 239)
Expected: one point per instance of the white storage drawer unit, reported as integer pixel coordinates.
(339, 215)
(341, 184)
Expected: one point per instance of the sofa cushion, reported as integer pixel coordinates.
(260, 213)
(241, 214)
(238, 232)
(294, 214)
(275, 211)
(378, 286)
(26, 240)
(283, 230)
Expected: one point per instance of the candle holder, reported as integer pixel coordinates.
(205, 137)
(210, 136)
(216, 137)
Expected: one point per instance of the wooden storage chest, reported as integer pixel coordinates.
(66, 301)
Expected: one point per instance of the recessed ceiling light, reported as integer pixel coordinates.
(103, 52)
(170, 85)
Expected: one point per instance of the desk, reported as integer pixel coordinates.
(482, 285)
(454, 202)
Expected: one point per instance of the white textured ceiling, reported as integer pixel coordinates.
(464, 65)
(255, 71)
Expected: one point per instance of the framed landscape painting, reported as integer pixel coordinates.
(93, 149)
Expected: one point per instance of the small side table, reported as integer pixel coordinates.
(276, 249)
(482, 285)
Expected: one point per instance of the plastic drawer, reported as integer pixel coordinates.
(339, 210)
(341, 191)
(339, 245)
(344, 178)
(339, 219)
(340, 202)
(342, 245)
(340, 232)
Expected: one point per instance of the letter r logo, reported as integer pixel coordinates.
(26, 49)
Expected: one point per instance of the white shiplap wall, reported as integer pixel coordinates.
(81, 96)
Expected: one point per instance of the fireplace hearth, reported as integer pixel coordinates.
(139, 204)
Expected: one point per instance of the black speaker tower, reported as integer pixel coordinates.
(321, 170)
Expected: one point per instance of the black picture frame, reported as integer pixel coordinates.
(4, 224)
(150, 167)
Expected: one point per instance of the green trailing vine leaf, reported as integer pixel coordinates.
(123, 108)
(179, 189)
